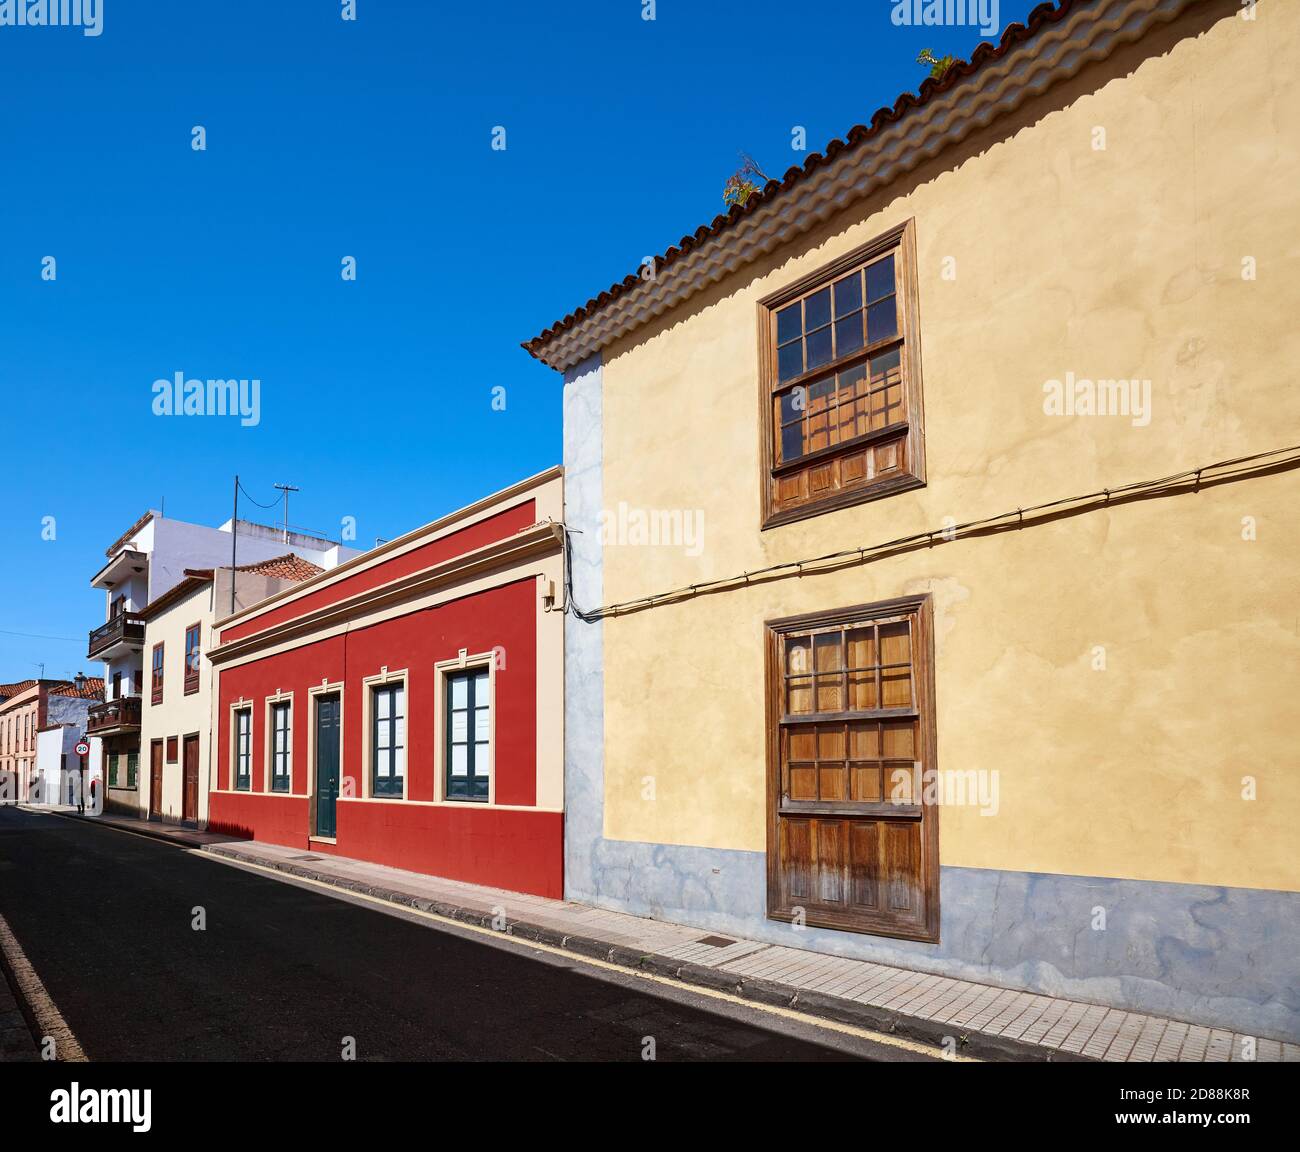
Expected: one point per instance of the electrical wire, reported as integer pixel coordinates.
(39, 636)
(1191, 479)
(274, 503)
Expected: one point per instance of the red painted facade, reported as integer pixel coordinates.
(514, 842)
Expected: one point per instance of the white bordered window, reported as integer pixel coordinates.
(469, 735)
(281, 731)
(388, 740)
(242, 747)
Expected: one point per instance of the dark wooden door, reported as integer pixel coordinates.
(155, 777)
(327, 764)
(190, 757)
(852, 818)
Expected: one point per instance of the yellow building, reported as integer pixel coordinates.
(933, 532)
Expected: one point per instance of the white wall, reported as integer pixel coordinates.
(178, 545)
(57, 771)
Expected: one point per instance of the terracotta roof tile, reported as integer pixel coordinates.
(10, 690)
(290, 566)
(92, 688)
(1046, 13)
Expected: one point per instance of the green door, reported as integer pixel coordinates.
(327, 763)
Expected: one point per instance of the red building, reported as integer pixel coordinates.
(407, 707)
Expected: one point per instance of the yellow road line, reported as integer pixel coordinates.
(49, 1020)
(884, 1038)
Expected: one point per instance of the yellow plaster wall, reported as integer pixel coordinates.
(1124, 262)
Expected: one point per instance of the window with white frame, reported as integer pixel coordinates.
(281, 746)
(469, 735)
(388, 739)
(244, 749)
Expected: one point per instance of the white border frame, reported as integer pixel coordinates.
(235, 707)
(268, 738)
(442, 670)
(368, 683)
(324, 688)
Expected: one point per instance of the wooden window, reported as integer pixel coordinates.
(469, 735)
(243, 749)
(112, 769)
(157, 684)
(132, 769)
(192, 658)
(853, 832)
(281, 746)
(388, 740)
(173, 749)
(839, 354)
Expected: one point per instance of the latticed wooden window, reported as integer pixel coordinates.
(854, 686)
(193, 658)
(157, 678)
(841, 383)
(853, 830)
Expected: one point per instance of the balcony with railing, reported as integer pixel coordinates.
(121, 634)
(112, 716)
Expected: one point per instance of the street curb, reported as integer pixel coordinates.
(108, 822)
(980, 1045)
(13, 1048)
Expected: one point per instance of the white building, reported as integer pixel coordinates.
(144, 563)
(57, 777)
(177, 730)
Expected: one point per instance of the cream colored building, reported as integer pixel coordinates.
(842, 673)
(176, 731)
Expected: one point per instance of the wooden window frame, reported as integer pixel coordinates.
(901, 240)
(172, 750)
(922, 649)
(157, 673)
(133, 770)
(192, 662)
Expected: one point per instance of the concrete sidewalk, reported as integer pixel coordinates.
(156, 829)
(984, 1021)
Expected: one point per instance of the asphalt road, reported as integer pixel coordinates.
(285, 972)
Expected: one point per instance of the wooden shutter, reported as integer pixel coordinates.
(853, 829)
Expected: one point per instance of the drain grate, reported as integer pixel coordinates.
(715, 941)
(306, 857)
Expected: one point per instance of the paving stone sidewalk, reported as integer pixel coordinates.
(986, 1021)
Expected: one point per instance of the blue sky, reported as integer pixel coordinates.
(369, 139)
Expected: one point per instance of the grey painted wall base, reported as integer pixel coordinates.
(1218, 956)
(1221, 956)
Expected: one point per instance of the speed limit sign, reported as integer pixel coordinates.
(83, 749)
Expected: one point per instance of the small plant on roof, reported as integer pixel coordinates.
(938, 65)
(742, 184)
